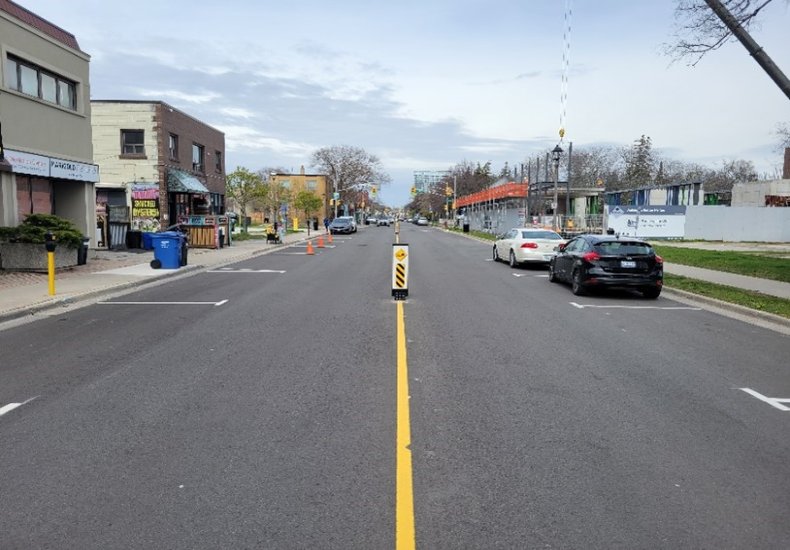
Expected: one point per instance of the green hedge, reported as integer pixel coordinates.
(35, 227)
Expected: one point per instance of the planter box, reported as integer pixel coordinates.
(33, 257)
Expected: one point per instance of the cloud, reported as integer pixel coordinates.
(237, 112)
(205, 97)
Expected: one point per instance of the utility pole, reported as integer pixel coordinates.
(754, 49)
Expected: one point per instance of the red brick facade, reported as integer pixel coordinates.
(190, 131)
(786, 169)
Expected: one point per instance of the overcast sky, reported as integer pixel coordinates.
(426, 84)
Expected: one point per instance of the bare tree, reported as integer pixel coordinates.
(706, 25)
(348, 168)
(783, 133)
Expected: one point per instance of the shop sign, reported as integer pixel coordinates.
(26, 163)
(72, 170)
(145, 208)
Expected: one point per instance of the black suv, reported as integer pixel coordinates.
(605, 261)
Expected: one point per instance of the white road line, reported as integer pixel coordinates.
(163, 303)
(231, 270)
(598, 306)
(773, 401)
(221, 303)
(518, 275)
(11, 406)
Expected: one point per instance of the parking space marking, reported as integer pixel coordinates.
(773, 401)
(11, 406)
(215, 304)
(245, 270)
(612, 306)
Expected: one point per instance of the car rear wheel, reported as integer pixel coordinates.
(512, 261)
(496, 255)
(576, 283)
(651, 292)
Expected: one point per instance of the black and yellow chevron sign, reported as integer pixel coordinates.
(400, 275)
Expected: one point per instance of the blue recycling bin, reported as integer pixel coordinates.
(148, 243)
(167, 249)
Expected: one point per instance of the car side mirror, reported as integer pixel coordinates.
(560, 247)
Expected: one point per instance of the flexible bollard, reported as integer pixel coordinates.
(329, 237)
(320, 242)
(310, 250)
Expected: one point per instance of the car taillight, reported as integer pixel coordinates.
(529, 245)
(659, 260)
(591, 257)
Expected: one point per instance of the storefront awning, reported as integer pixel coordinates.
(179, 181)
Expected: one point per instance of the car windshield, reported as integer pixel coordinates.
(610, 248)
(551, 235)
(341, 221)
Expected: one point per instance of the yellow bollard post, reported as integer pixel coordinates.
(296, 224)
(51, 271)
(49, 245)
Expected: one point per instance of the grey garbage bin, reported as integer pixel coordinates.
(82, 251)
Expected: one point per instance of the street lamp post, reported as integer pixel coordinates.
(555, 156)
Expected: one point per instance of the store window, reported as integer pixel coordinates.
(198, 158)
(173, 147)
(32, 80)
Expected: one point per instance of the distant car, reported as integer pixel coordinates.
(604, 261)
(422, 220)
(371, 220)
(341, 225)
(383, 221)
(351, 220)
(522, 245)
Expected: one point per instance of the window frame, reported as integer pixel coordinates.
(135, 153)
(172, 146)
(199, 163)
(65, 88)
(218, 161)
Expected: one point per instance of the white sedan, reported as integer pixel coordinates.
(525, 245)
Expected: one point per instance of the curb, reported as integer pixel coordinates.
(721, 305)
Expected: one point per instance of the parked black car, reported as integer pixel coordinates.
(604, 261)
(341, 225)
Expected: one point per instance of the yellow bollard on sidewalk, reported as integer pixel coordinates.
(49, 244)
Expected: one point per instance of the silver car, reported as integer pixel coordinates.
(523, 245)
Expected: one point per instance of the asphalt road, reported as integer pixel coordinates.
(255, 407)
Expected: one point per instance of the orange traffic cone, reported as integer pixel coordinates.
(320, 242)
(329, 238)
(310, 248)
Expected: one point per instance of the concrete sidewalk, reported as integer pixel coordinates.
(764, 286)
(107, 271)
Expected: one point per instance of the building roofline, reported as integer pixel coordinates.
(161, 104)
(34, 20)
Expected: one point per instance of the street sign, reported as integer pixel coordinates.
(400, 271)
(335, 196)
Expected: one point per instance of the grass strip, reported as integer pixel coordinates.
(746, 298)
(754, 264)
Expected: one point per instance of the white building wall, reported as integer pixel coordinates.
(753, 193)
(737, 224)
(108, 119)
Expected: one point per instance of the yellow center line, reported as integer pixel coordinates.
(404, 496)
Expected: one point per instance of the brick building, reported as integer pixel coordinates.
(154, 155)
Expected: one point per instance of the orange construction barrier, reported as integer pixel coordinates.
(310, 248)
